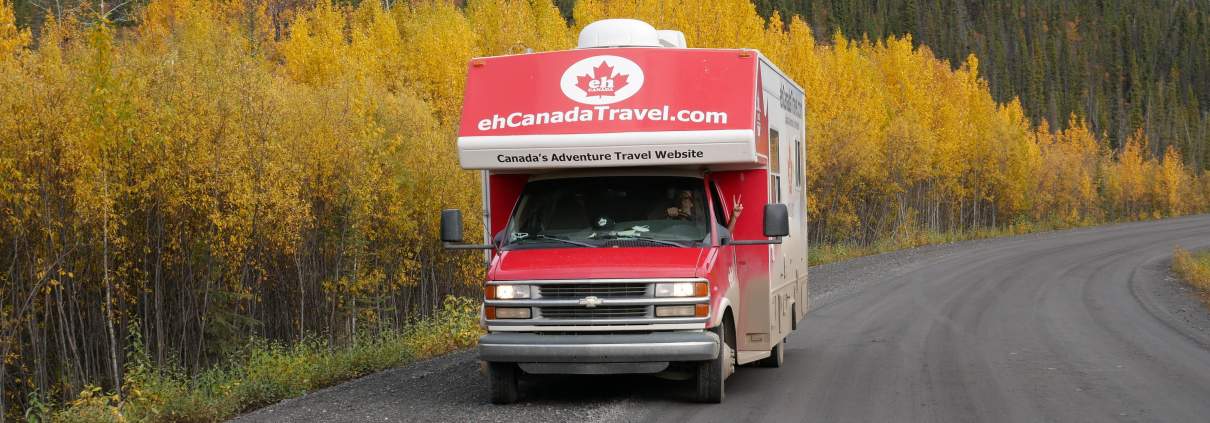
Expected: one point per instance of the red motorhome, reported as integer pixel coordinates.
(644, 208)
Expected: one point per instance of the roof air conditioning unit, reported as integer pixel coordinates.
(627, 33)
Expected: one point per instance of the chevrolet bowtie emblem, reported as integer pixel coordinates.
(591, 301)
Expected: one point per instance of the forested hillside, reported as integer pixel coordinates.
(194, 173)
(1120, 65)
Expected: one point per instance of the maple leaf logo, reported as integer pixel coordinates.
(602, 82)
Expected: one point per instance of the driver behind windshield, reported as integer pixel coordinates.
(684, 207)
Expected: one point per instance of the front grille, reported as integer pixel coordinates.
(602, 312)
(600, 290)
(624, 304)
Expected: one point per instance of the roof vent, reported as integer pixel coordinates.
(619, 33)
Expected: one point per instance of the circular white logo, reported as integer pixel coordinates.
(602, 80)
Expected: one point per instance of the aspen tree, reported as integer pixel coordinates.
(12, 39)
(1173, 183)
(441, 42)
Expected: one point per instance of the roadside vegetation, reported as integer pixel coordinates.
(1194, 269)
(834, 252)
(910, 238)
(263, 372)
(219, 171)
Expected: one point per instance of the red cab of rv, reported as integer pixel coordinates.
(644, 208)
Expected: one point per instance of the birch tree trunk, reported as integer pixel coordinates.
(113, 339)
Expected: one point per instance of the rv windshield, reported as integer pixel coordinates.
(615, 211)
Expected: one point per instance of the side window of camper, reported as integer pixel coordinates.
(775, 182)
(719, 215)
(798, 164)
(775, 165)
(774, 144)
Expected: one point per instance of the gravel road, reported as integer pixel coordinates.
(1072, 326)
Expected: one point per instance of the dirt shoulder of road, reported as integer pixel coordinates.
(1172, 300)
(448, 388)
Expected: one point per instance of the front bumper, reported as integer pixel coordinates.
(612, 348)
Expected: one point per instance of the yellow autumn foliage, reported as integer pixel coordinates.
(222, 169)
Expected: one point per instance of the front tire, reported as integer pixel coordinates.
(712, 374)
(502, 382)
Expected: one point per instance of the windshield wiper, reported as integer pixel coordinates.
(644, 238)
(565, 241)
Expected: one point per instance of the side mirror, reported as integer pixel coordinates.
(451, 232)
(777, 220)
(451, 225)
(777, 225)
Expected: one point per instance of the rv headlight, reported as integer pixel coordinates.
(681, 289)
(507, 292)
(512, 312)
(508, 313)
(688, 310)
(675, 311)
